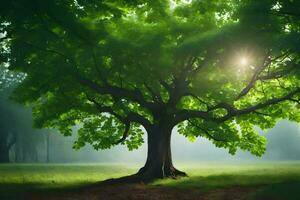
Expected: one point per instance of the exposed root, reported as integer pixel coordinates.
(148, 175)
(174, 173)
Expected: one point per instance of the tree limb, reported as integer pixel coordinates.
(106, 109)
(236, 112)
(206, 132)
(166, 85)
(156, 97)
(276, 74)
(295, 100)
(116, 92)
(182, 115)
(131, 116)
(255, 77)
(125, 134)
(53, 51)
(253, 80)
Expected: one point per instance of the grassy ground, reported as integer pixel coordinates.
(274, 180)
(19, 179)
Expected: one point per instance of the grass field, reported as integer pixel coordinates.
(274, 180)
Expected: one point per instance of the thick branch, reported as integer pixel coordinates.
(106, 109)
(116, 92)
(166, 85)
(254, 78)
(295, 100)
(236, 112)
(206, 132)
(195, 71)
(226, 106)
(198, 99)
(131, 116)
(155, 96)
(266, 103)
(180, 83)
(134, 117)
(182, 115)
(125, 134)
(256, 74)
(52, 51)
(276, 74)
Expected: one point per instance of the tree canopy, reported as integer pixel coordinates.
(216, 69)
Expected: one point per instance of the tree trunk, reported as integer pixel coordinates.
(159, 158)
(48, 148)
(4, 154)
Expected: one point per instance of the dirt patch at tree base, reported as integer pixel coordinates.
(141, 191)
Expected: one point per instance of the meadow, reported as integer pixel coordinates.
(210, 180)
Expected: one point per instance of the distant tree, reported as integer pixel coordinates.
(7, 80)
(27, 142)
(7, 135)
(213, 68)
(17, 137)
(7, 128)
(47, 147)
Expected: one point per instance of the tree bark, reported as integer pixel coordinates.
(159, 157)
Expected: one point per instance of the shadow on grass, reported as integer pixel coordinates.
(284, 191)
(19, 191)
(252, 187)
(258, 187)
(15, 191)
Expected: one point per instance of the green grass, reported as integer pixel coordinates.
(17, 179)
(63, 174)
(279, 180)
(273, 180)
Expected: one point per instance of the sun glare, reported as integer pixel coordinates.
(243, 61)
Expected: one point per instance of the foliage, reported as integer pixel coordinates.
(111, 65)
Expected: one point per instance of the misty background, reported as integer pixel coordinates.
(36, 145)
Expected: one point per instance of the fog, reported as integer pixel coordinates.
(283, 144)
(32, 145)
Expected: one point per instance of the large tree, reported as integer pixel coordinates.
(216, 69)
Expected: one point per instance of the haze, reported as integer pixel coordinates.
(60, 147)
